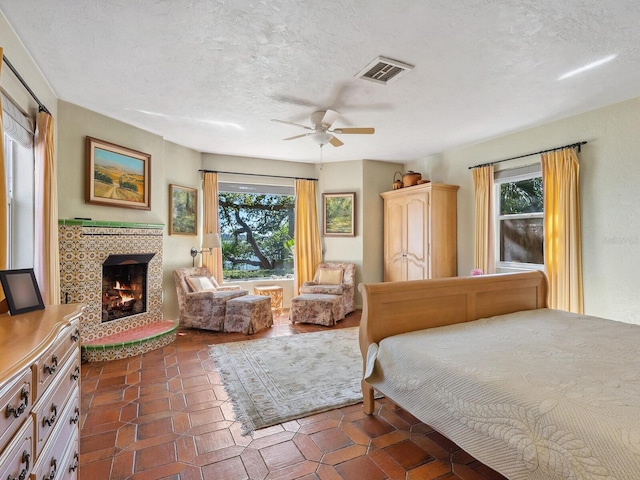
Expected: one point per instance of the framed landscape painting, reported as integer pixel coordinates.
(117, 176)
(339, 218)
(183, 208)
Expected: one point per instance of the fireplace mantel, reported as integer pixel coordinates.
(87, 222)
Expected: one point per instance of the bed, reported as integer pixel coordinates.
(531, 392)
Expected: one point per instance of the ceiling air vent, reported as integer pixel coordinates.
(384, 70)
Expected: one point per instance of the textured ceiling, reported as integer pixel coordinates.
(210, 75)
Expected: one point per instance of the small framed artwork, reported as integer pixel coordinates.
(117, 176)
(21, 289)
(338, 214)
(183, 208)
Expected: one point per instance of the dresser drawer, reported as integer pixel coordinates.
(16, 461)
(48, 410)
(15, 404)
(57, 458)
(50, 363)
(70, 459)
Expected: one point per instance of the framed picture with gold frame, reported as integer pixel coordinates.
(117, 176)
(338, 214)
(183, 210)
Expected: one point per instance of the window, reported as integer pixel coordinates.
(256, 227)
(519, 219)
(19, 163)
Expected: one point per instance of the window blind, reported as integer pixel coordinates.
(16, 124)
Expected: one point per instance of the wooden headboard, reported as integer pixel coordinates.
(398, 307)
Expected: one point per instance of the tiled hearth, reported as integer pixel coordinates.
(84, 246)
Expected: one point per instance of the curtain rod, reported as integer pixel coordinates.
(257, 175)
(41, 107)
(571, 145)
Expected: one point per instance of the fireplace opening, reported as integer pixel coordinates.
(124, 285)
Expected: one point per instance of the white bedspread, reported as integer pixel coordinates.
(537, 395)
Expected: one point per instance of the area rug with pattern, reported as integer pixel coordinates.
(274, 380)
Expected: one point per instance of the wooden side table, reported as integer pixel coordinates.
(275, 292)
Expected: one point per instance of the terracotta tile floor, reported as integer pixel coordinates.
(165, 415)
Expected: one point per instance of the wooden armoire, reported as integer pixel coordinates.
(420, 232)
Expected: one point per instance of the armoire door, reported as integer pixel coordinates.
(417, 237)
(394, 240)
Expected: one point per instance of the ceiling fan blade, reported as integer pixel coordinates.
(329, 117)
(291, 123)
(293, 100)
(335, 142)
(297, 136)
(361, 130)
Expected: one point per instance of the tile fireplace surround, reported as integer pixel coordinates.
(84, 246)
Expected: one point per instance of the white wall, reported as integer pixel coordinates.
(610, 198)
(343, 177)
(180, 168)
(260, 166)
(367, 178)
(377, 177)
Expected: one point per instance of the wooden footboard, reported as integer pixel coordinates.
(397, 307)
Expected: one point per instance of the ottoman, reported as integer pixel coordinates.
(320, 308)
(248, 314)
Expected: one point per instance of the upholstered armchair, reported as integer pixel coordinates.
(201, 303)
(334, 278)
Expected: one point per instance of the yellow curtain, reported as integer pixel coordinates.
(484, 253)
(47, 252)
(3, 194)
(213, 260)
(308, 249)
(562, 237)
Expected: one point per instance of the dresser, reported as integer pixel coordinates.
(420, 232)
(40, 393)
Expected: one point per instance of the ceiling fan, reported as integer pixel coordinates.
(321, 131)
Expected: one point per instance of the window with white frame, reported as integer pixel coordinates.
(19, 164)
(519, 219)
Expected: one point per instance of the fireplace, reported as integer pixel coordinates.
(124, 285)
(88, 248)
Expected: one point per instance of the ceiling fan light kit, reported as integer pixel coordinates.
(321, 138)
(321, 122)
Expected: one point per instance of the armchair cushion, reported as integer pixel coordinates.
(310, 287)
(201, 284)
(330, 276)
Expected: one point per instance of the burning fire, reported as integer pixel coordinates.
(124, 297)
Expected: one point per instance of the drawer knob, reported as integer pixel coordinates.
(52, 474)
(54, 365)
(76, 374)
(76, 461)
(75, 336)
(75, 417)
(16, 412)
(50, 421)
(25, 471)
